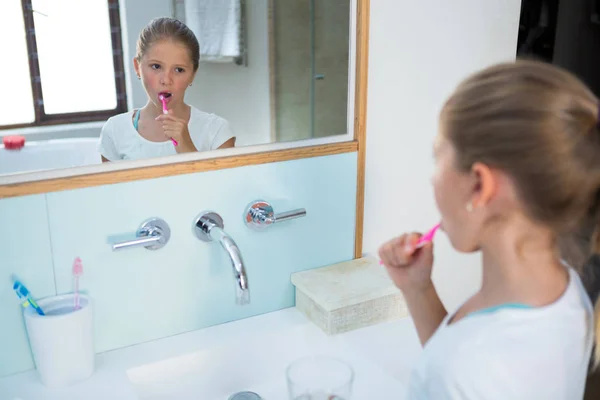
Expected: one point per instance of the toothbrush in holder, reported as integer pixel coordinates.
(163, 100)
(77, 272)
(24, 294)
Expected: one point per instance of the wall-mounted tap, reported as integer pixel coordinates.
(208, 227)
(153, 234)
(260, 215)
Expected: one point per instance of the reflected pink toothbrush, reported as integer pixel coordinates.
(163, 100)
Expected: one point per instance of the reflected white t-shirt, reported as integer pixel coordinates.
(120, 141)
(511, 353)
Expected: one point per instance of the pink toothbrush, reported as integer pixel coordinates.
(428, 237)
(163, 100)
(77, 272)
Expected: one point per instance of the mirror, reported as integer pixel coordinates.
(270, 71)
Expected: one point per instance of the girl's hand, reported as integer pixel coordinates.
(409, 268)
(177, 129)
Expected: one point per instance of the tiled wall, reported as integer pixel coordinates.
(142, 295)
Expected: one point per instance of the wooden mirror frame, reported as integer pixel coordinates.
(211, 164)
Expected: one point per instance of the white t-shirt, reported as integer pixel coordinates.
(511, 353)
(120, 141)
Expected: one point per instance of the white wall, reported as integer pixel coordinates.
(418, 52)
(240, 94)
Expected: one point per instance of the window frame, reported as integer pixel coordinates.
(43, 119)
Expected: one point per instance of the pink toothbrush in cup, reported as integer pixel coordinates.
(163, 100)
(77, 272)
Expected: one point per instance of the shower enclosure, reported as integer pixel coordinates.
(308, 58)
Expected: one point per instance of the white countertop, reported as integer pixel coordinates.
(381, 355)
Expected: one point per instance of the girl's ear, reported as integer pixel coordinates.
(136, 66)
(486, 184)
(193, 77)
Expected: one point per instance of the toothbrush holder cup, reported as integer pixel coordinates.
(61, 341)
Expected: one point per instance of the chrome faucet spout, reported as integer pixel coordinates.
(237, 263)
(209, 227)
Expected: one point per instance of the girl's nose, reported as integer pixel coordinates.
(166, 78)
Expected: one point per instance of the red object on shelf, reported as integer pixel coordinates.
(13, 142)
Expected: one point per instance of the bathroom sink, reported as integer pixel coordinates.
(257, 364)
(254, 364)
(249, 354)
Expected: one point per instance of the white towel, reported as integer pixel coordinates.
(216, 24)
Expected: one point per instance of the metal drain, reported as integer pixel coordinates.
(245, 396)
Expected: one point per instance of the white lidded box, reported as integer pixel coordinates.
(349, 295)
(61, 341)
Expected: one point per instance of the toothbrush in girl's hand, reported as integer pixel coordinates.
(77, 272)
(163, 100)
(428, 237)
(423, 240)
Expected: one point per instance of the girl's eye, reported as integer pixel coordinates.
(155, 66)
(180, 70)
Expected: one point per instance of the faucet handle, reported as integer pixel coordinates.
(153, 234)
(260, 215)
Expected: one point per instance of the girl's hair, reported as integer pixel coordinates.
(168, 29)
(540, 125)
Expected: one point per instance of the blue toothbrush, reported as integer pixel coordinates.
(23, 293)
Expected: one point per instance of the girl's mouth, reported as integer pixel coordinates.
(166, 95)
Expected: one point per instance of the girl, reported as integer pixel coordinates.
(166, 61)
(517, 170)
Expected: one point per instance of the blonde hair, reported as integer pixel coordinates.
(168, 29)
(540, 125)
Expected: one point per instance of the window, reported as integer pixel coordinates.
(65, 64)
